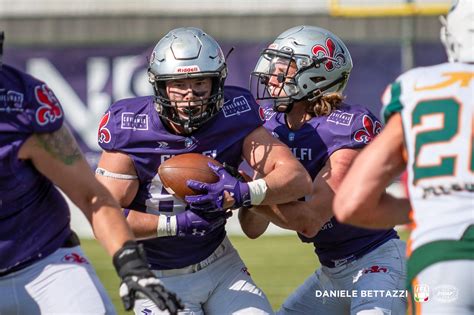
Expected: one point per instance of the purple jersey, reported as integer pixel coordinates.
(34, 217)
(132, 126)
(350, 127)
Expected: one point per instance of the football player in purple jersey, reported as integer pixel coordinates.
(300, 78)
(191, 111)
(43, 269)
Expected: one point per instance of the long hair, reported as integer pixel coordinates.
(326, 104)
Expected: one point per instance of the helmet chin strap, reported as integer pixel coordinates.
(283, 107)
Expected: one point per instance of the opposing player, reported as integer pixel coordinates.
(304, 72)
(429, 131)
(191, 111)
(42, 267)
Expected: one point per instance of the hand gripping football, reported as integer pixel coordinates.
(175, 172)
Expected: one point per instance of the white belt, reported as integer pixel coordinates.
(219, 252)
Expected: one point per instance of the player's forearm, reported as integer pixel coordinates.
(110, 228)
(286, 184)
(143, 225)
(253, 224)
(296, 216)
(386, 213)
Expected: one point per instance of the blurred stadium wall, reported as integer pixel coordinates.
(93, 52)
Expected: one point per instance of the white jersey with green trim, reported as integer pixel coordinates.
(436, 105)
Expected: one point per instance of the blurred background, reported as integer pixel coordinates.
(94, 52)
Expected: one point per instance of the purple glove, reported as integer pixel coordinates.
(189, 223)
(214, 198)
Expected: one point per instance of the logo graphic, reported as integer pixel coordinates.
(152, 58)
(340, 118)
(104, 133)
(11, 101)
(134, 121)
(163, 144)
(75, 258)
(187, 69)
(291, 136)
(375, 269)
(261, 114)
(146, 311)
(445, 293)
(15, 99)
(245, 270)
(421, 293)
(370, 130)
(273, 46)
(269, 113)
(238, 106)
(50, 109)
(335, 58)
(188, 142)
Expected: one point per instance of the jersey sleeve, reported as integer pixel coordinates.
(391, 100)
(45, 113)
(363, 128)
(366, 127)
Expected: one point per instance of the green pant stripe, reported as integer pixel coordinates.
(437, 251)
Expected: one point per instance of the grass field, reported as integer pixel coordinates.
(278, 264)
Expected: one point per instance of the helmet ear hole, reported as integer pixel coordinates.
(317, 79)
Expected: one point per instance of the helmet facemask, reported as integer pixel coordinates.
(275, 77)
(190, 115)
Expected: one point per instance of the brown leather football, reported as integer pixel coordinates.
(175, 171)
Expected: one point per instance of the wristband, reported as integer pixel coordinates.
(167, 225)
(258, 190)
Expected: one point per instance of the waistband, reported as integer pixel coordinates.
(437, 251)
(216, 254)
(71, 241)
(333, 263)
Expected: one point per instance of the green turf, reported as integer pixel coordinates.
(278, 264)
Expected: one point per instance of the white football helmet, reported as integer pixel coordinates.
(187, 52)
(457, 31)
(321, 60)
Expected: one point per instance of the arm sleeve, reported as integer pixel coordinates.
(391, 100)
(362, 130)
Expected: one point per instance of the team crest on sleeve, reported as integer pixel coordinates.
(50, 109)
(104, 135)
(370, 129)
(261, 114)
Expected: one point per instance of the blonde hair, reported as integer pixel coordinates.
(326, 104)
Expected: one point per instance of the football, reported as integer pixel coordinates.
(175, 172)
